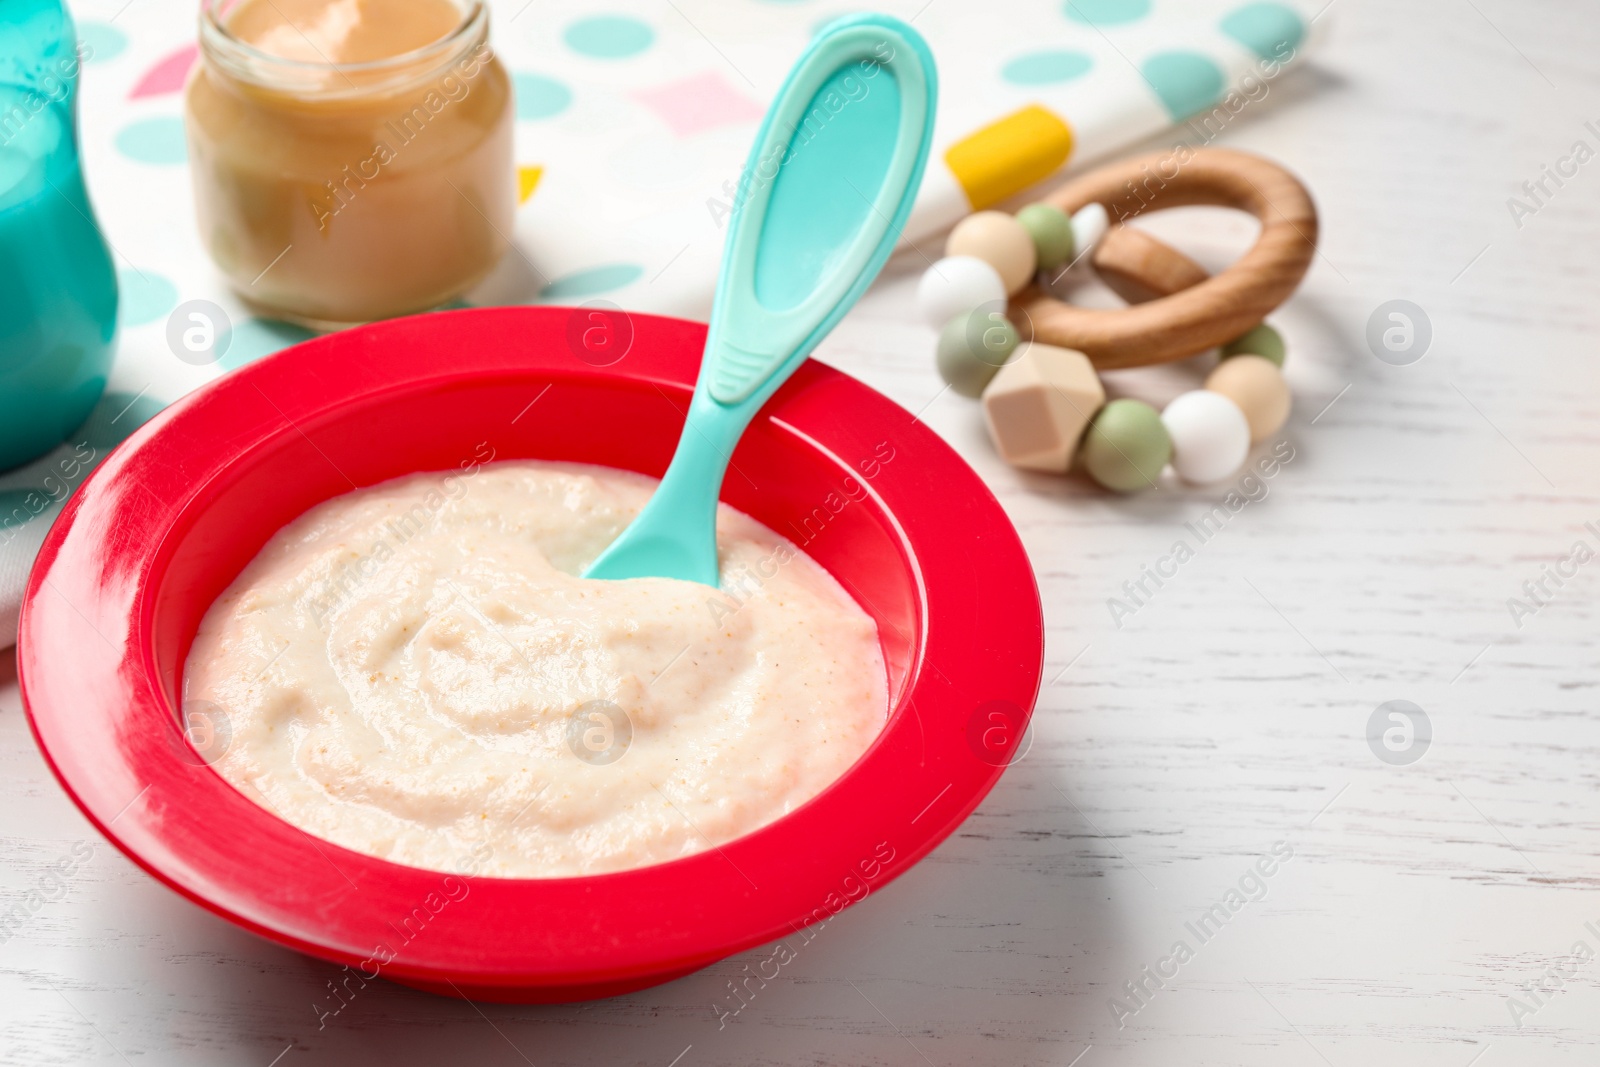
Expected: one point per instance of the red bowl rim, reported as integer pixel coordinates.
(95, 702)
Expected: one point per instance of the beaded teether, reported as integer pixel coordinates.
(1036, 369)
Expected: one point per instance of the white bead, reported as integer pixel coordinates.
(1088, 226)
(956, 285)
(1210, 436)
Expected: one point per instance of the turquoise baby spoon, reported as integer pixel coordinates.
(822, 200)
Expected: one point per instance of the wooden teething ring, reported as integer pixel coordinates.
(1210, 312)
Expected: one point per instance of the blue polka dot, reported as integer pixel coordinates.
(539, 97)
(158, 141)
(255, 338)
(115, 417)
(144, 296)
(1271, 31)
(1046, 68)
(103, 41)
(592, 281)
(609, 37)
(1106, 12)
(1187, 82)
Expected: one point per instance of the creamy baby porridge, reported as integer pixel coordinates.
(413, 671)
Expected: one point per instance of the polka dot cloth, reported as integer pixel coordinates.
(590, 282)
(102, 41)
(1265, 29)
(146, 296)
(157, 141)
(539, 97)
(609, 37)
(1107, 12)
(1186, 82)
(1046, 68)
(632, 124)
(600, 90)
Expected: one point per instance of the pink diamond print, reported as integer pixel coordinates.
(168, 75)
(701, 102)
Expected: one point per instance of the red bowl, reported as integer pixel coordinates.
(175, 513)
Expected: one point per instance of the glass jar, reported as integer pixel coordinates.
(333, 191)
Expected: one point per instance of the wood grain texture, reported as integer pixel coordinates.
(1140, 268)
(1205, 315)
(1227, 713)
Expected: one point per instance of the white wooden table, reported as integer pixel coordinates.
(1227, 714)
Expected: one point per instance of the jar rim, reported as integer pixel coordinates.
(214, 32)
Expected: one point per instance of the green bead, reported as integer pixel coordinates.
(1126, 446)
(1262, 341)
(1051, 230)
(972, 347)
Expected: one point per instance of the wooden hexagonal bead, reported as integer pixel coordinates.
(1039, 404)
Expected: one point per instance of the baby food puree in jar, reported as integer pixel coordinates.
(415, 671)
(352, 159)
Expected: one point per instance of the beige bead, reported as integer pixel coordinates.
(1257, 385)
(1038, 405)
(1000, 241)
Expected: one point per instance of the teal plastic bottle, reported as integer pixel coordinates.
(58, 289)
